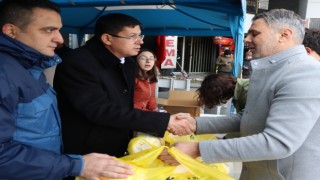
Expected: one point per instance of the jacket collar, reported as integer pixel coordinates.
(25, 55)
(278, 58)
(97, 48)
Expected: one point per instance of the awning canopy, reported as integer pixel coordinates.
(163, 17)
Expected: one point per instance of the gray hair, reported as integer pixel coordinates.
(281, 18)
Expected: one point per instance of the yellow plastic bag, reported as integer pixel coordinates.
(143, 142)
(145, 149)
(169, 139)
(148, 167)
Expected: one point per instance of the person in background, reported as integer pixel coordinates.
(281, 121)
(30, 128)
(95, 89)
(225, 62)
(311, 42)
(246, 69)
(217, 89)
(145, 82)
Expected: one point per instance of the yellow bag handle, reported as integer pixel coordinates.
(196, 167)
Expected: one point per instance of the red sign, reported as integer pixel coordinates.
(219, 40)
(171, 53)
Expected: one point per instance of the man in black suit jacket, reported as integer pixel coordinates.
(95, 88)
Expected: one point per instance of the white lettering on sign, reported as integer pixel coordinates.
(170, 61)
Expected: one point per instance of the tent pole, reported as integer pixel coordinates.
(191, 54)
(183, 52)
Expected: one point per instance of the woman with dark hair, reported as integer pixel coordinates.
(145, 83)
(311, 42)
(217, 89)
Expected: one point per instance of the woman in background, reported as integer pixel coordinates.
(217, 89)
(145, 83)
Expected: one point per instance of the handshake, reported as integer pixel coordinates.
(182, 124)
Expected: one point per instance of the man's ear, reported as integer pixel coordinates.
(9, 30)
(285, 34)
(309, 50)
(105, 38)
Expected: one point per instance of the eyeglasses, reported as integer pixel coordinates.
(133, 37)
(144, 58)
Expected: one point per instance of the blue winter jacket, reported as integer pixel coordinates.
(30, 129)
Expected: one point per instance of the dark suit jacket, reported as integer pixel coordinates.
(95, 98)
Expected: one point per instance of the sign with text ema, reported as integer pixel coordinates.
(170, 61)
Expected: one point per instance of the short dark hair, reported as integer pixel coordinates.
(19, 12)
(227, 52)
(216, 89)
(113, 23)
(152, 74)
(312, 40)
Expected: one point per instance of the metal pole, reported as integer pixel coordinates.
(183, 52)
(191, 54)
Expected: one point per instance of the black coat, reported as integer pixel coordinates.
(95, 97)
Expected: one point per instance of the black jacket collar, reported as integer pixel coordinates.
(104, 56)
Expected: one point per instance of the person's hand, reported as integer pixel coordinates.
(189, 148)
(181, 124)
(102, 165)
(167, 158)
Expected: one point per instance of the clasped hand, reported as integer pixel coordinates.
(189, 148)
(181, 124)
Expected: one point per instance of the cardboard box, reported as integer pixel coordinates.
(181, 101)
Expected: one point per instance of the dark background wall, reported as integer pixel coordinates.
(298, 6)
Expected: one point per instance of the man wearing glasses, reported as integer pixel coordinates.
(95, 88)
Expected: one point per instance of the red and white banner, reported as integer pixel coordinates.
(167, 51)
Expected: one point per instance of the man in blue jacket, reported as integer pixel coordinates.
(30, 128)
